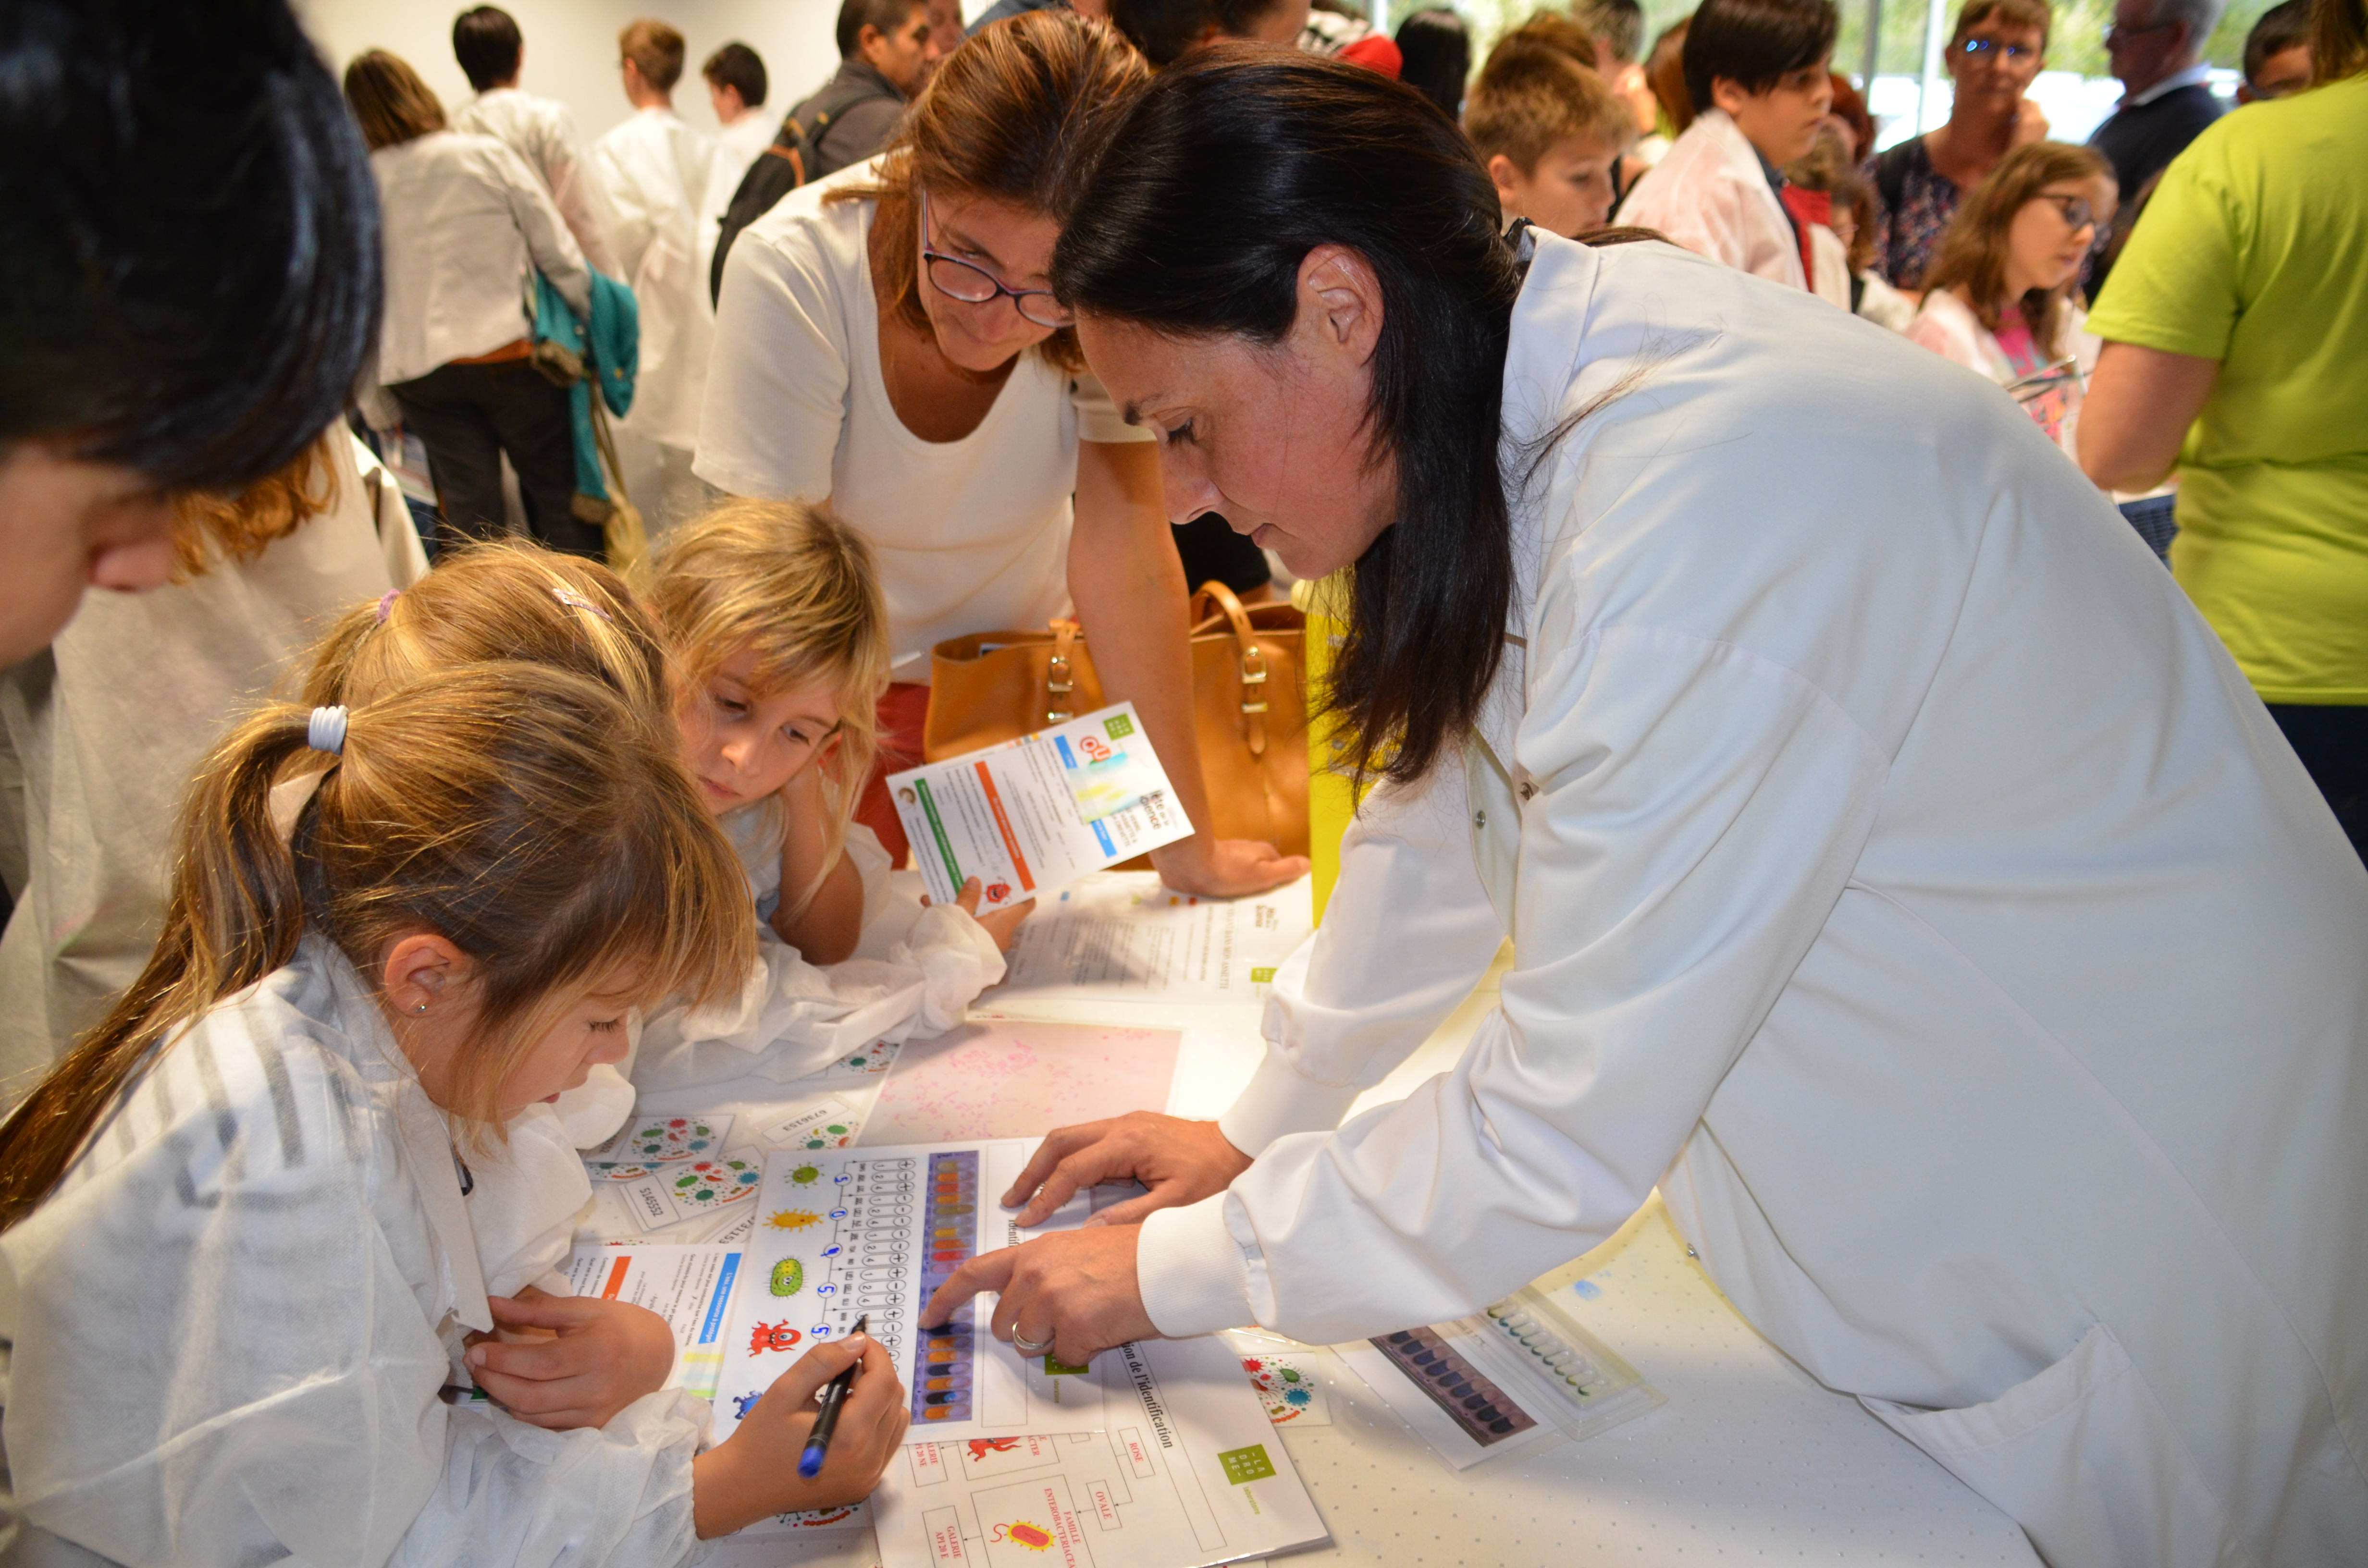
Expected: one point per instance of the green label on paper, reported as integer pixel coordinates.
(1117, 726)
(1056, 1368)
(1262, 977)
(1244, 1465)
(938, 832)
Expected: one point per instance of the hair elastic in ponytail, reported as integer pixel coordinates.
(386, 603)
(327, 731)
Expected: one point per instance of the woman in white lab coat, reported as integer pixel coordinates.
(1900, 872)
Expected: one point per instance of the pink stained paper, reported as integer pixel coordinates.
(1017, 1079)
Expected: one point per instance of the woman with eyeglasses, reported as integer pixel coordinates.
(886, 340)
(1995, 53)
(2001, 296)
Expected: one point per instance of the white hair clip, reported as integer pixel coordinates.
(327, 731)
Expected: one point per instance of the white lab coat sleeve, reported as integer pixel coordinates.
(524, 1201)
(1699, 811)
(548, 241)
(1336, 1022)
(777, 376)
(792, 1018)
(583, 204)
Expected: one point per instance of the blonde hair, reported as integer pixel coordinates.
(1533, 95)
(210, 528)
(500, 599)
(792, 582)
(655, 51)
(1973, 250)
(522, 813)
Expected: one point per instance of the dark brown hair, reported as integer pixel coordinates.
(1973, 250)
(2035, 15)
(1754, 42)
(1665, 72)
(390, 101)
(1233, 165)
(1017, 114)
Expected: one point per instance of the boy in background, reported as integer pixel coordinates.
(2277, 53)
(1550, 133)
(1756, 73)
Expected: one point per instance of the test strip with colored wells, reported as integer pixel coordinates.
(943, 1357)
(1486, 1411)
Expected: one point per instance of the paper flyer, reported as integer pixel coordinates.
(1034, 815)
(1188, 1474)
(866, 1230)
(1122, 937)
(691, 1286)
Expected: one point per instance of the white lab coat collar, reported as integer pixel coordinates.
(425, 1131)
(2194, 76)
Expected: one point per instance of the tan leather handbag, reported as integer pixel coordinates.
(1249, 705)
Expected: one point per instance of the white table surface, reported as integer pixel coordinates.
(1749, 1462)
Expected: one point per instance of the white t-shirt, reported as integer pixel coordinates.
(970, 535)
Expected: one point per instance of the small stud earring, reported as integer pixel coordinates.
(421, 1008)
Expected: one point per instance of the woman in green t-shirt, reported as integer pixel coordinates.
(2236, 329)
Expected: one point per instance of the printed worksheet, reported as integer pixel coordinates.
(1188, 1474)
(691, 1286)
(1034, 815)
(843, 1233)
(1012, 1078)
(1121, 935)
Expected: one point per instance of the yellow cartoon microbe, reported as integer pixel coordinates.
(794, 1219)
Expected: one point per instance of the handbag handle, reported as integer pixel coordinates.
(1059, 682)
(1254, 704)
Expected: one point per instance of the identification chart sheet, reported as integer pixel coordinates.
(840, 1232)
(1122, 937)
(1188, 1474)
(1036, 813)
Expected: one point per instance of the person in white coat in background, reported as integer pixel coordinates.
(1756, 71)
(486, 43)
(656, 170)
(736, 87)
(258, 575)
(1900, 873)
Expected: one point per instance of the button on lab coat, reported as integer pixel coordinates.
(228, 1327)
(1901, 875)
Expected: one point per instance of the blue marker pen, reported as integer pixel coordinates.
(833, 1395)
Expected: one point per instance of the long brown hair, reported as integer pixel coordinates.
(792, 582)
(1973, 250)
(210, 527)
(499, 599)
(1016, 114)
(2339, 39)
(523, 814)
(390, 101)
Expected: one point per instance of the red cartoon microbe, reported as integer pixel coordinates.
(773, 1336)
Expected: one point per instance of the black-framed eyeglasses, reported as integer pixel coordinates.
(975, 285)
(1981, 50)
(2077, 213)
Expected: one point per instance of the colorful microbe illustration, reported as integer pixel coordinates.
(773, 1336)
(1019, 1532)
(806, 1176)
(788, 1277)
(742, 1404)
(794, 1219)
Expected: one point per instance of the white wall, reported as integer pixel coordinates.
(571, 46)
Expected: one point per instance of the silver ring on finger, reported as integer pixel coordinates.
(1028, 1346)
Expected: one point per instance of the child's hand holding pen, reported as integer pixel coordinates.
(754, 1473)
(564, 1361)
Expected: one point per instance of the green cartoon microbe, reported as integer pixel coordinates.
(806, 1176)
(788, 1277)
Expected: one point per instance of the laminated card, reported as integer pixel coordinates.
(1039, 812)
(840, 1232)
(1188, 1474)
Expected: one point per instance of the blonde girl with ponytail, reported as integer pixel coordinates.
(237, 1266)
(774, 614)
